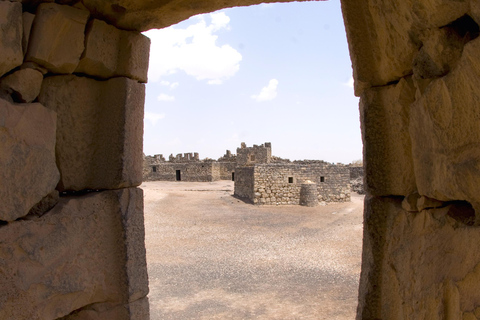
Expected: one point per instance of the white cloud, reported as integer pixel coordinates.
(194, 51)
(165, 97)
(154, 117)
(349, 83)
(267, 93)
(169, 84)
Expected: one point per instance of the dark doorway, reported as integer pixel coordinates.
(179, 177)
(233, 176)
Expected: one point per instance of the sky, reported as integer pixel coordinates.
(278, 73)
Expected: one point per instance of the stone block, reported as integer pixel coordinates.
(445, 133)
(27, 27)
(384, 35)
(133, 58)
(28, 171)
(57, 37)
(11, 52)
(86, 252)
(414, 257)
(112, 52)
(24, 85)
(384, 112)
(99, 131)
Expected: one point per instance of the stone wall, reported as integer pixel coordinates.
(256, 154)
(226, 170)
(416, 68)
(280, 183)
(245, 183)
(155, 168)
(417, 72)
(71, 124)
(200, 171)
(356, 172)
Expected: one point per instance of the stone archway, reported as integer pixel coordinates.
(416, 69)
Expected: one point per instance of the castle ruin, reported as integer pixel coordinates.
(71, 110)
(259, 177)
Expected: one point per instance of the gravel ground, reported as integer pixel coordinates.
(212, 256)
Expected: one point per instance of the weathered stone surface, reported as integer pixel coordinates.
(133, 57)
(27, 159)
(24, 84)
(384, 36)
(87, 250)
(99, 131)
(445, 130)
(27, 27)
(57, 37)
(136, 310)
(112, 52)
(384, 113)
(10, 36)
(143, 15)
(413, 264)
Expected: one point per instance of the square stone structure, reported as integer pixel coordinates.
(280, 184)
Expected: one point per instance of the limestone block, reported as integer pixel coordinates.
(133, 58)
(380, 44)
(10, 36)
(112, 52)
(86, 250)
(57, 37)
(445, 133)
(384, 36)
(99, 131)
(27, 159)
(384, 112)
(101, 50)
(411, 265)
(27, 26)
(23, 84)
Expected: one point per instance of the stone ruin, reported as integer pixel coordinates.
(71, 112)
(188, 167)
(259, 177)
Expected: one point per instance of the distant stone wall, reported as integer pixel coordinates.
(244, 183)
(226, 169)
(280, 184)
(356, 172)
(195, 172)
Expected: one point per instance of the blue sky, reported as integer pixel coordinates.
(278, 73)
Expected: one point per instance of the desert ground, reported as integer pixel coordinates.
(212, 256)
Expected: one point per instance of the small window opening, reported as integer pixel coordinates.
(290, 179)
(154, 169)
(322, 179)
(178, 175)
(233, 176)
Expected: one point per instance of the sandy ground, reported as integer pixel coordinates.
(211, 256)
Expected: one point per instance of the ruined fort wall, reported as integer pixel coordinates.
(226, 169)
(244, 183)
(195, 172)
(280, 183)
